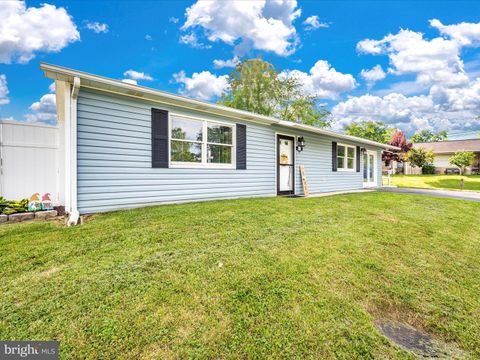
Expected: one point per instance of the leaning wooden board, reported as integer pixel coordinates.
(303, 176)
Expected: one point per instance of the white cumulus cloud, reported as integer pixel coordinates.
(370, 46)
(466, 34)
(3, 90)
(373, 75)
(392, 108)
(312, 23)
(432, 61)
(323, 80)
(458, 99)
(137, 75)
(26, 31)
(192, 40)
(230, 63)
(442, 108)
(97, 27)
(43, 111)
(449, 97)
(263, 25)
(203, 85)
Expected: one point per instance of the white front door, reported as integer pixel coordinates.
(285, 165)
(369, 168)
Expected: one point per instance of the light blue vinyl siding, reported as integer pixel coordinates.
(317, 159)
(114, 160)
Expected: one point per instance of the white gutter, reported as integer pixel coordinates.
(141, 92)
(72, 141)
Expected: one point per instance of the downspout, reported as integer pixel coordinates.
(74, 214)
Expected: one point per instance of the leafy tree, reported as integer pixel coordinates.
(294, 105)
(256, 86)
(428, 136)
(372, 130)
(251, 84)
(398, 140)
(419, 157)
(462, 159)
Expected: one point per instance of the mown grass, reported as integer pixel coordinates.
(274, 277)
(450, 182)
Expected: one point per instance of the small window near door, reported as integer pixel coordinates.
(345, 157)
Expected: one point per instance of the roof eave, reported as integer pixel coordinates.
(116, 86)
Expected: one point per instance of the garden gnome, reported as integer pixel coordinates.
(47, 202)
(34, 203)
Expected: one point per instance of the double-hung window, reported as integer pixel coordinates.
(345, 157)
(203, 143)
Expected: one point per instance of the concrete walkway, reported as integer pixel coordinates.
(462, 195)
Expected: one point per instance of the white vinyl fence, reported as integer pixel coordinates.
(28, 160)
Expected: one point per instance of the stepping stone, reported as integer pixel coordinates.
(412, 339)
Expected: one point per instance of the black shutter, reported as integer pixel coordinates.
(358, 158)
(241, 147)
(159, 138)
(334, 156)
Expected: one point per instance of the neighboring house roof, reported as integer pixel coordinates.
(450, 147)
(116, 86)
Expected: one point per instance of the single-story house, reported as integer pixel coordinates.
(443, 150)
(125, 146)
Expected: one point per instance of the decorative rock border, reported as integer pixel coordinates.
(18, 217)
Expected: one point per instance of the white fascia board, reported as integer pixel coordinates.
(338, 136)
(116, 86)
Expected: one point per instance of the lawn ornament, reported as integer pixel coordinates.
(34, 203)
(47, 202)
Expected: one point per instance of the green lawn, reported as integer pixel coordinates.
(451, 182)
(273, 277)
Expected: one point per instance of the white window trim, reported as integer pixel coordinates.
(346, 158)
(203, 164)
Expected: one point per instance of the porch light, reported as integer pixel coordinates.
(300, 143)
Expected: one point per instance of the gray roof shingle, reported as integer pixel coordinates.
(451, 146)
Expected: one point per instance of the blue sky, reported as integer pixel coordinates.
(424, 77)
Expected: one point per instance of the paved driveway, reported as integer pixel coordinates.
(462, 195)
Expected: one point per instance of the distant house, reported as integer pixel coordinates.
(444, 150)
(121, 145)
